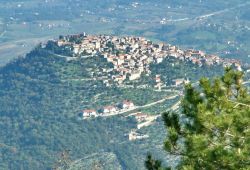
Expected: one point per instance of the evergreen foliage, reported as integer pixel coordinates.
(212, 131)
(152, 164)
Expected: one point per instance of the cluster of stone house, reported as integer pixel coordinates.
(175, 82)
(108, 110)
(131, 56)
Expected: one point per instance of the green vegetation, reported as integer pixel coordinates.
(40, 101)
(104, 161)
(42, 95)
(212, 130)
(172, 68)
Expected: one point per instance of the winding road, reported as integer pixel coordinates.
(144, 106)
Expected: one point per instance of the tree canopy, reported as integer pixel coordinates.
(212, 129)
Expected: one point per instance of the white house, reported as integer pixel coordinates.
(178, 82)
(76, 48)
(157, 78)
(127, 104)
(109, 110)
(135, 75)
(159, 59)
(141, 117)
(89, 113)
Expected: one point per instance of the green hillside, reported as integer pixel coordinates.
(105, 161)
(42, 95)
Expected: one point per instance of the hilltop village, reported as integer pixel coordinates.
(131, 56)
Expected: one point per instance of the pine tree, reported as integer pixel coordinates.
(212, 130)
(152, 164)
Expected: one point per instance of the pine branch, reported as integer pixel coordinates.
(243, 104)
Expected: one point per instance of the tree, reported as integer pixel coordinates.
(63, 162)
(212, 129)
(152, 164)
